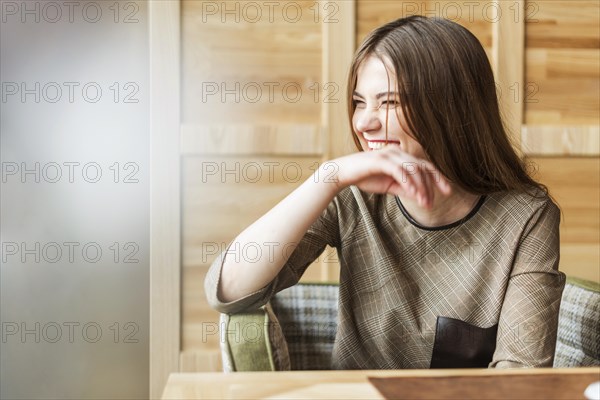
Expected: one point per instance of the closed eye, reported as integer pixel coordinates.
(358, 103)
(390, 104)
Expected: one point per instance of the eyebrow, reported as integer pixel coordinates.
(377, 96)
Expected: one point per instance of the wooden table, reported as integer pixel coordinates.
(546, 383)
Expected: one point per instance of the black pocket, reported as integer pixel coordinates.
(461, 345)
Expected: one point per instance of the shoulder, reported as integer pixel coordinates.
(354, 192)
(351, 198)
(521, 209)
(354, 207)
(522, 203)
(350, 203)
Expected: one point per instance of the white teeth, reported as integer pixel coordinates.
(377, 145)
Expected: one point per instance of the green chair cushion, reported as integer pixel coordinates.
(253, 341)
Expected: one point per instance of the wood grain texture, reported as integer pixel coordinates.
(347, 391)
(562, 102)
(338, 49)
(549, 63)
(563, 24)
(248, 139)
(371, 14)
(251, 62)
(575, 184)
(334, 384)
(508, 49)
(252, 97)
(224, 195)
(540, 386)
(580, 260)
(200, 361)
(165, 193)
(556, 140)
(200, 327)
(563, 63)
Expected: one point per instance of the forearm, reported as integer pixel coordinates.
(280, 228)
(384, 171)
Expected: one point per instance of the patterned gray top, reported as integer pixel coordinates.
(497, 266)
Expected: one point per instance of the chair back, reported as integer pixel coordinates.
(299, 327)
(578, 336)
(307, 314)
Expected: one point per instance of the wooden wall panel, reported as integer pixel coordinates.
(239, 71)
(248, 138)
(371, 14)
(224, 195)
(199, 328)
(553, 140)
(338, 50)
(507, 62)
(252, 95)
(563, 62)
(221, 196)
(165, 212)
(563, 24)
(575, 184)
(562, 101)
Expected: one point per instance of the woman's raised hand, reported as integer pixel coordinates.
(390, 170)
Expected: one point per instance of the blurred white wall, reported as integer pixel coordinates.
(74, 199)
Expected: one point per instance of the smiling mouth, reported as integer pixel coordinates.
(380, 144)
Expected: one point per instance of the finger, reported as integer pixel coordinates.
(406, 186)
(423, 197)
(438, 179)
(410, 172)
(385, 162)
(428, 183)
(406, 182)
(415, 173)
(407, 173)
(397, 189)
(426, 179)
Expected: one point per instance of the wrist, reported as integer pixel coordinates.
(327, 177)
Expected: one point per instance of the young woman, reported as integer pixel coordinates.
(449, 250)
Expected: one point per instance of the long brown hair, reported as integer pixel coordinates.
(448, 95)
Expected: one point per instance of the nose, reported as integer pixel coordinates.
(367, 120)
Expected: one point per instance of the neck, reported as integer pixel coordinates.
(445, 209)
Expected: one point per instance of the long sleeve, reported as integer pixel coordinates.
(324, 231)
(529, 316)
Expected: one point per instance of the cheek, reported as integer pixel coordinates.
(415, 148)
(394, 123)
(355, 118)
(402, 126)
(399, 120)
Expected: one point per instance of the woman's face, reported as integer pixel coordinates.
(373, 97)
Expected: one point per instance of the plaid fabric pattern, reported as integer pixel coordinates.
(578, 343)
(499, 266)
(307, 314)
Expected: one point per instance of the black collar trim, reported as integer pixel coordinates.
(442, 227)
